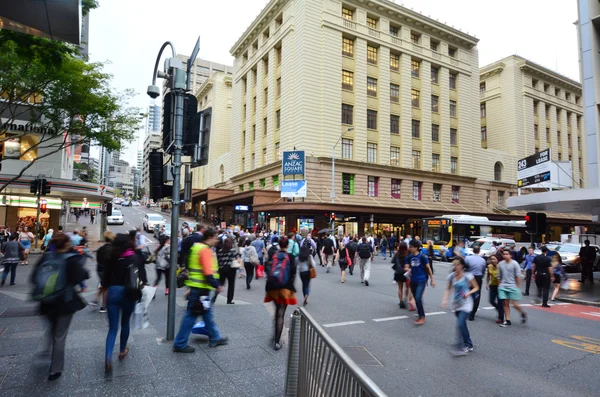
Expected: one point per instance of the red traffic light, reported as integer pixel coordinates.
(527, 218)
(43, 207)
(333, 216)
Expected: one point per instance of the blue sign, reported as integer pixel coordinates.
(291, 189)
(293, 162)
(241, 208)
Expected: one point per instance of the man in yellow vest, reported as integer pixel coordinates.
(203, 280)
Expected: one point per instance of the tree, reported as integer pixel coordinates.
(65, 101)
(85, 173)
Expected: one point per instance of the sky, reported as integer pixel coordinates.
(127, 34)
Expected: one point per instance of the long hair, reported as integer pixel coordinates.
(227, 245)
(304, 254)
(121, 244)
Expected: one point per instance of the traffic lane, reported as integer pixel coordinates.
(573, 310)
(421, 353)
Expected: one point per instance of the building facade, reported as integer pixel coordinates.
(151, 142)
(526, 108)
(153, 121)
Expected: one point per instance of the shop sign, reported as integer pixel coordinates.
(242, 208)
(534, 169)
(346, 186)
(293, 189)
(293, 162)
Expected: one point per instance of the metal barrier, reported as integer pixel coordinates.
(318, 367)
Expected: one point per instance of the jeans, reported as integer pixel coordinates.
(477, 296)
(159, 273)
(249, 273)
(117, 302)
(329, 260)
(543, 284)
(57, 339)
(383, 249)
(305, 277)
(463, 331)
(365, 268)
(227, 273)
(12, 266)
(527, 281)
(418, 288)
(497, 303)
(189, 319)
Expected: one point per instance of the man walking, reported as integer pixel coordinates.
(352, 248)
(476, 266)
(328, 251)
(509, 289)
(528, 269)
(542, 269)
(364, 255)
(587, 256)
(392, 244)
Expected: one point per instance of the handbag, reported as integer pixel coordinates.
(254, 257)
(260, 271)
(236, 263)
(312, 272)
(182, 275)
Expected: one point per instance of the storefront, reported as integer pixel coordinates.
(243, 216)
(21, 211)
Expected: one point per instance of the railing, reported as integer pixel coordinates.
(374, 32)
(318, 367)
(349, 24)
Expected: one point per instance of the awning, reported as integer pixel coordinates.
(572, 201)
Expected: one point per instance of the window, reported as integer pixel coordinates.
(275, 179)
(559, 156)
(371, 86)
(537, 149)
(278, 87)
(435, 103)
(536, 132)
(534, 83)
(452, 52)
(416, 190)
(347, 148)
(452, 109)
(347, 14)
(437, 192)
(241, 187)
(371, 23)
(253, 132)
(244, 114)
(434, 45)
(278, 150)
(535, 108)
(453, 137)
(547, 110)
(347, 47)
(558, 138)
(454, 165)
(347, 114)
(435, 162)
(501, 199)
(415, 37)
(394, 93)
(266, 96)
(546, 88)
(455, 191)
(578, 143)
(396, 183)
(373, 186)
(371, 152)
(278, 53)
(372, 55)
(416, 159)
(435, 132)
(568, 96)
(263, 183)
(394, 62)
(569, 144)
(488, 198)
(416, 128)
(484, 133)
(415, 68)
(435, 74)
(347, 80)
(254, 105)
(483, 110)
(548, 134)
(348, 184)
(264, 158)
(394, 31)
(498, 171)
(278, 119)
(266, 66)
(371, 119)
(452, 81)
(243, 139)
(253, 163)
(265, 126)
(395, 155)
(415, 98)
(394, 124)
(482, 87)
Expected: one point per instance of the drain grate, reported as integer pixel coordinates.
(363, 357)
(20, 312)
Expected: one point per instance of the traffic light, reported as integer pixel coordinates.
(46, 187)
(34, 186)
(158, 189)
(535, 223)
(191, 124)
(43, 206)
(167, 118)
(332, 217)
(541, 223)
(108, 209)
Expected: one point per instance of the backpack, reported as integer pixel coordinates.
(132, 281)
(279, 271)
(51, 286)
(384, 242)
(306, 243)
(272, 251)
(364, 251)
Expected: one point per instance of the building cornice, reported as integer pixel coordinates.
(550, 76)
(259, 23)
(490, 70)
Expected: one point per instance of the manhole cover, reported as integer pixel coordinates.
(361, 356)
(20, 312)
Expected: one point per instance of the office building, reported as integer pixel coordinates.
(153, 121)
(152, 141)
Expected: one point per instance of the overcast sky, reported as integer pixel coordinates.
(129, 33)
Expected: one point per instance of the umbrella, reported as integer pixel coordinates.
(325, 231)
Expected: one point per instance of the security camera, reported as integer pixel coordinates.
(153, 91)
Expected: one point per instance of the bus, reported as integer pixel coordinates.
(445, 229)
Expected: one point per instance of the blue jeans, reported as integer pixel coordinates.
(464, 338)
(305, 277)
(12, 266)
(117, 302)
(497, 303)
(383, 249)
(188, 321)
(417, 288)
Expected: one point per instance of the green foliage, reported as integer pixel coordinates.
(87, 5)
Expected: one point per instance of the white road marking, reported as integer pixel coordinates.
(342, 324)
(595, 314)
(488, 308)
(377, 320)
(561, 303)
(434, 313)
(526, 305)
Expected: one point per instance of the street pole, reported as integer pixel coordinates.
(37, 218)
(332, 195)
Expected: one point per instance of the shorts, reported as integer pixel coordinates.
(399, 277)
(100, 278)
(26, 244)
(513, 294)
(556, 279)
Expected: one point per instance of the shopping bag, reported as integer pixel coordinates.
(140, 316)
(199, 329)
(260, 271)
(564, 284)
(147, 295)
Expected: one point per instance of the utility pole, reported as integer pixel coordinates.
(38, 181)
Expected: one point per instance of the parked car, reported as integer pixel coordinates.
(135, 203)
(569, 254)
(485, 245)
(150, 220)
(126, 203)
(160, 231)
(116, 218)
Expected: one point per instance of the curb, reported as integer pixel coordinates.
(578, 301)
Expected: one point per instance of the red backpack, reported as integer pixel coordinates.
(279, 271)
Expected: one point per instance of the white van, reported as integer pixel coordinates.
(485, 244)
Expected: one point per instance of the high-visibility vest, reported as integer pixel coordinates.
(197, 278)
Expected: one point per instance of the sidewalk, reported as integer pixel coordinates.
(93, 230)
(248, 366)
(583, 294)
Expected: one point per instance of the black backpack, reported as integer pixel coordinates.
(306, 243)
(364, 251)
(272, 251)
(133, 290)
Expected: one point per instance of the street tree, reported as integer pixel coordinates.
(64, 100)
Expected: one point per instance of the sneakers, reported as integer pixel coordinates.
(420, 321)
(506, 324)
(166, 291)
(524, 317)
(187, 349)
(469, 349)
(103, 310)
(499, 321)
(367, 283)
(277, 346)
(221, 342)
(402, 305)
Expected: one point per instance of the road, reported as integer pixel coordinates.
(557, 353)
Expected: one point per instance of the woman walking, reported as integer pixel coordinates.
(305, 262)
(103, 256)
(419, 274)
(120, 303)
(25, 237)
(491, 284)
(430, 254)
(226, 255)
(400, 268)
(46, 239)
(250, 259)
(462, 285)
(344, 260)
(12, 251)
(280, 286)
(559, 274)
(163, 262)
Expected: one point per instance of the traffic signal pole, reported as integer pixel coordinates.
(37, 218)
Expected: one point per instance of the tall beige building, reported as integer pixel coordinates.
(526, 108)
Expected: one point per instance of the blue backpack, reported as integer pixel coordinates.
(279, 271)
(51, 286)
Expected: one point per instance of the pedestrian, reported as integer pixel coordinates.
(476, 266)
(430, 254)
(527, 266)
(320, 249)
(103, 257)
(309, 243)
(305, 262)
(250, 260)
(509, 274)
(343, 259)
(121, 301)
(59, 314)
(400, 269)
(203, 281)
(163, 262)
(294, 247)
(352, 247)
(542, 270)
(259, 246)
(92, 215)
(280, 286)
(328, 251)
(46, 239)
(559, 274)
(491, 285)
(384, 245)
(420, 272)
(12, 251)
(462, 286)
(25, 237)
(392, 244)
(364, 256)
(226, 257)
(587, 256)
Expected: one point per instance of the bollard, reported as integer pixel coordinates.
(293, 364)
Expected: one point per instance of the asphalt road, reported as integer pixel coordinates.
(556, 353)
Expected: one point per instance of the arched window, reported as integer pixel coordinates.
(498, 171)
(222, 171)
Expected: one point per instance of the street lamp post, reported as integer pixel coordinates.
(332, 194)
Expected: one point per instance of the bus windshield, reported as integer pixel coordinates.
(436, 231)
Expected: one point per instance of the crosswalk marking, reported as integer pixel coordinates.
(342, 324)
(378, 320)
(596, 314)
(434, 313)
